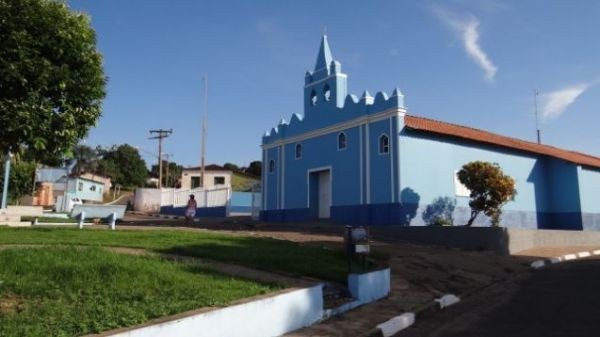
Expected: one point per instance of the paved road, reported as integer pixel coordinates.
(561, 300)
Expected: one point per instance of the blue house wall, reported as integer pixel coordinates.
(369, 187)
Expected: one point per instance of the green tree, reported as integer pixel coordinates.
(20, 178)
(489, 189)
(124, 165)
(87, 159)
(174, 171)
(255, 168)
(51, 77)
(232, 167)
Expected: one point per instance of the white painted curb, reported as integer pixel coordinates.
(537, 264)
(583, 254)
(398, 323)
(556, 259)
(447, 300)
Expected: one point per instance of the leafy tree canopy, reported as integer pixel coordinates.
(174, 171)
(123, 164)
(490, 189)
(255, 168)
(51, 77)
(20, 178)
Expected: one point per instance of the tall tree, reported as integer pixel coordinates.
(124, 164)
(255, 168)
(20, 179)
(232, 167)
(489, 189)
(51, 77)
(86, 157)
(172, 168)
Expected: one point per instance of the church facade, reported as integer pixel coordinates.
(367, 160)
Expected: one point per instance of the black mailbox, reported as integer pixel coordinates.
(356, 241)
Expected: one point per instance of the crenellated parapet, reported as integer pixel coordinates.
(327, 102)
(353, 107)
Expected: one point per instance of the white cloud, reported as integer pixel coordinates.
(554, 104)
(467, 30)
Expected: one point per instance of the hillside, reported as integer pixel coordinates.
(242, 182)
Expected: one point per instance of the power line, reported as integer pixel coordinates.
(160, 135)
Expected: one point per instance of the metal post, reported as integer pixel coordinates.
(81, 219)
(6, 176)
(113, 220)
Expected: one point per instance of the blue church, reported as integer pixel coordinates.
(369, 161)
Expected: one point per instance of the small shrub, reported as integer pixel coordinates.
(439, 212)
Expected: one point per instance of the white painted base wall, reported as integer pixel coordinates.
(272, 316)
(369, 287)
(147, 200)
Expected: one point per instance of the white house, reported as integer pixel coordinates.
(215, 176)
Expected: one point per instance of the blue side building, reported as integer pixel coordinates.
(367, 160)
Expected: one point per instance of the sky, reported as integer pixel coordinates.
(476, 63)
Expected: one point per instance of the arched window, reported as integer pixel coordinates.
(313, 98)
(342, 141)
(298, 151)
(326, 92)
(271, 166)
(384, 144)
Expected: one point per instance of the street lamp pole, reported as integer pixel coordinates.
(6, 176)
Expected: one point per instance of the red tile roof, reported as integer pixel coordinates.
(430, 125)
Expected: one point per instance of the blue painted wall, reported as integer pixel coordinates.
(241, 202)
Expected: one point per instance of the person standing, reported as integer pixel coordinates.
(190, 210)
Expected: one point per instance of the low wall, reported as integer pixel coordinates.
(521, 239)
(471, 238)
(270, 316)
(499, 239)
(241, 202)
(369, 287)
(146, 200)
(219, 212)
(25, 210)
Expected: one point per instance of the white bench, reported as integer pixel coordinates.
(109, 212)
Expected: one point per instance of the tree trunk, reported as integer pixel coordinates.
(473, 216)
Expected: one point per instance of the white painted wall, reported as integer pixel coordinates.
(369, 287)
(147, 199)
(271, 316)
(186, 178)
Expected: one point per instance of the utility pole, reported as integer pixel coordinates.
(537, 123)
(204, 122)
(168, 156)
(160, 135)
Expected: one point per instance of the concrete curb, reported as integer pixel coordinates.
(405, 320)
(538, 264)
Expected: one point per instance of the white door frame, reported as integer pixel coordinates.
(318, 169)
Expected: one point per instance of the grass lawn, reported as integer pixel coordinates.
(259, 253)
(69, 291)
